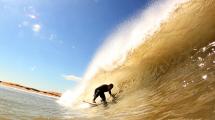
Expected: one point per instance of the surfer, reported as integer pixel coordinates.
(100, 91)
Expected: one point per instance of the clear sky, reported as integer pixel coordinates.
(43, 40)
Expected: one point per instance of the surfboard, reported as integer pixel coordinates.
(113, 101)
(92, 104)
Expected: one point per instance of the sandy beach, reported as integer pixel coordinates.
(29, 89)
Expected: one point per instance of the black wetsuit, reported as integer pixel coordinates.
(100, 92)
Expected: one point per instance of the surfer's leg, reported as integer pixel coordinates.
(96, 94)
(102, 95)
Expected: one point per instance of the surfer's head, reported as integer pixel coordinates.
(110, 86)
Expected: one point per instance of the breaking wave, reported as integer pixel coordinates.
(162, 64)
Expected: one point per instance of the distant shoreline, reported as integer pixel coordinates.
(29, 89)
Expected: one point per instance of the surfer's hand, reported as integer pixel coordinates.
(112, 95)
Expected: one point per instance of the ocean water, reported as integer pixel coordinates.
(20, 105)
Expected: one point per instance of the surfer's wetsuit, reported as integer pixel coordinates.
(100, 91)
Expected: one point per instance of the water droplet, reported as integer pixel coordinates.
(201, 65)
(204, 77)
(36, 27)
(203, 49)
(200, 59)
(32, 16)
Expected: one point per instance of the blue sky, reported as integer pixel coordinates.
(43, 40)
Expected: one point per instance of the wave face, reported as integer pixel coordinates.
(168, 73)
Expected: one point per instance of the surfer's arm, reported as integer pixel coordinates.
(110, 93)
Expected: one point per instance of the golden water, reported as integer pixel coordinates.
(169, 76)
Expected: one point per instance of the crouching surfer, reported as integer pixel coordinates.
(100, 91)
